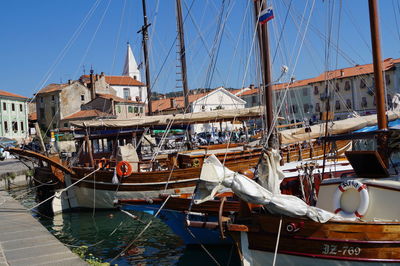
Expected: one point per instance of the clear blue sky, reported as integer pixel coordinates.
(35, 33)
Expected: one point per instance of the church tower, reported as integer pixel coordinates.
(131, 67)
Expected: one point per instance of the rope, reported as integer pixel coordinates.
(57, 194)
(203, 247)
(141, 232)
(277, 241)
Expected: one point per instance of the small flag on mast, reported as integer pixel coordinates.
(266, 15)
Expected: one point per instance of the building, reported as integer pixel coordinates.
(14, 116)
(216, 99)
(57, 101)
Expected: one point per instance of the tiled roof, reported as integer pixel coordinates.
(165, 104)
(115, 98)
(9, 94)
(87, 113)
(116, 80)
(53, 87)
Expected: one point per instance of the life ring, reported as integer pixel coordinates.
(196, 163)
(124, 168)
(364, 200)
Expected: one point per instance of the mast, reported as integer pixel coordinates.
(146, 55)
(182, 53)
(182, 56)
(378, 74)
(267, 72)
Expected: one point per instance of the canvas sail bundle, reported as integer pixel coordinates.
(177, 119)
(214, 177)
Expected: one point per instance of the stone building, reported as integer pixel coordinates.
(13, 116)
(57, 101)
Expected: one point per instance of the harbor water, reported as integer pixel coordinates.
(104, 235)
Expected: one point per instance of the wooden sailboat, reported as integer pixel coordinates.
(357, 219)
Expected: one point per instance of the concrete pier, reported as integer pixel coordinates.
(24, 241)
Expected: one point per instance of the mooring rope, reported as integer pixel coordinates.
(58, 194)
(277, 241)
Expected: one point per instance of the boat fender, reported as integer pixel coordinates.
(124, 169)
(196, 163)
(364, 201)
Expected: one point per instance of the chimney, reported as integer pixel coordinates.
(92, 86)
(172, 102)
(341, 72)
(251, 86)
(69, 82)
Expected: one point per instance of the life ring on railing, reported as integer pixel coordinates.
(196, 163)
(364, 199)
(124, 168)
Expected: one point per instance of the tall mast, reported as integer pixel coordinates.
(146, 55)
(182, 56)
(182, 53)
(379, 87)
(266, 69)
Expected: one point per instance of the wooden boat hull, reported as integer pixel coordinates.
(334, 242)
(98, 191)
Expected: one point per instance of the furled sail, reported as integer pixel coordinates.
(214, 176)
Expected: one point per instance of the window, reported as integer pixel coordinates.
(141, 110)
(53, 111)
(316, 90)
(41, 113)
(119, 109)
(5, 126)
(22, 126)
(347, 85)
(364, 102)
(140, 93)
(337, 105)
(21, 108)
(52, 98)
(305, 91)
(254, 99)
(306, 107)
(127, 93)
(348, 103)
(54, 125)
(387, 77)
(292, 94)
(4, 106)
(136, 110)
(130, 109)
(13, 107)
(15, 126)
(82, 97)
(41, 99)
(317, 108)
(337, 86)
(134, 77)
(362, 84)
(295, 108)
(65, 124)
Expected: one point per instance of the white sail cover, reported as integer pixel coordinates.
(214, 176)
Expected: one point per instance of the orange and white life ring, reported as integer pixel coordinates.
(364, 200)
(124, 168)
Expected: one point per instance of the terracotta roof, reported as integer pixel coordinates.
(249, 92)
(116, 80)
(53, 87)
(388, 63)
(116, 98)
(87, 113)
(9, 94)
(32, 116)
(165, 104)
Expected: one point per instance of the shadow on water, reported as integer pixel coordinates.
(107, 233)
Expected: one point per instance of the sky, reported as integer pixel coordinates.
(49, 41)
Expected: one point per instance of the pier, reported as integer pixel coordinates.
(24, 241)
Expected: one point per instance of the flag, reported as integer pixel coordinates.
(266, 15)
